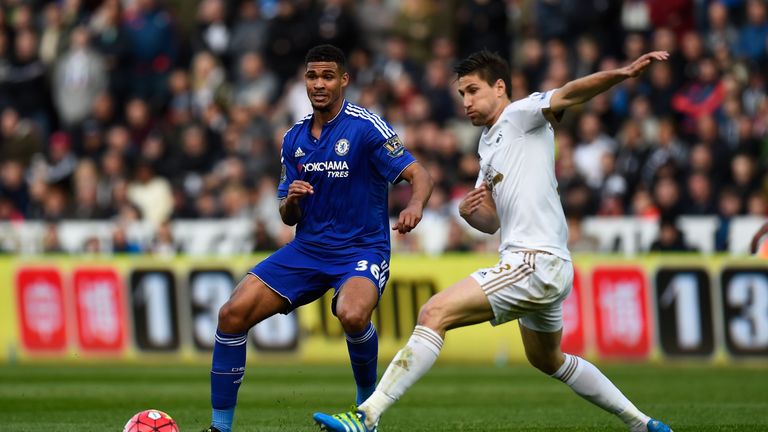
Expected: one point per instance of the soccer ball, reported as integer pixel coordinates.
(151, 421)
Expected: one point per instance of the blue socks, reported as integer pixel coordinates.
(228, 369)
(363, 353)
(227, 373)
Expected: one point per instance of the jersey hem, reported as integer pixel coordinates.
(554, 251)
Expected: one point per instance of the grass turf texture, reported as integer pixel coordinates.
(516, 398)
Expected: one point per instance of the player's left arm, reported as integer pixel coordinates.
(583, 89)
(421, 183)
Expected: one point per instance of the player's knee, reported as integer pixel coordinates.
(230, 320)
(544, 362)
(432, 315)
(352, 321)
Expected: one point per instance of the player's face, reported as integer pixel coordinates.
(481, 100)
(324, 81)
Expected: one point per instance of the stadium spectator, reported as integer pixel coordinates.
(139, 122)
(55, 202)
(249, 32)
(643, 206)
(28, 86)
(13, 187)
(150, 193)
(51, 243)
(729, 206)
(743, 175)
(590, 150)
(20, 139)
(578, 241)
(51, 35)
(155, 49)
(235, 78)
(700, 97)
(110, 36)
(9, 213)
(212, 33)
(288, 38)
(662, 88)
(481, 25)
(122, 244)
(720, 31)
(700, 195)
(751, 44)
(631, 155)
(86, 204)
(104, 113)
(674, 14)
(262, 240)
(79, 77)
(613, 189)
(59, 162)
(757, 204)
(670, 238)
(256, 86)
(162, 243)
(669, 150)
(336, 25)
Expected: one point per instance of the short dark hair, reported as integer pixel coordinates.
(326, 53)
(489, 66)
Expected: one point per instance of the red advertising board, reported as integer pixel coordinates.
(573, 320)
(99, 308)
(621, 312)
(41, 309)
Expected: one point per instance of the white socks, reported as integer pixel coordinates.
(423, 348)
(588, 382)
(410, 364)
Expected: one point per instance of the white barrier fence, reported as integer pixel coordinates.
(626, 235)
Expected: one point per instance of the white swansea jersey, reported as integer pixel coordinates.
(517, 160)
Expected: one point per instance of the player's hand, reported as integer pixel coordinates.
(641, 64)
(409, 218)
(473, 200)
(298, 190)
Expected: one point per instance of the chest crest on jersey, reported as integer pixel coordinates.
(341, 147)
(493, 177)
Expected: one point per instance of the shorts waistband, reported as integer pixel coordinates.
(531, 252)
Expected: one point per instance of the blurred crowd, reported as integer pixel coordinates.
(159, 110)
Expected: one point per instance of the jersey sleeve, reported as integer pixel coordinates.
(288, 169)
(480, 177)
(528, 112)
(388, 154)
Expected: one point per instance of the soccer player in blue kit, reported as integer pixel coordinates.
(336, 167)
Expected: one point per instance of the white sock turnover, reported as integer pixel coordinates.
(588, 382)
(410, 364)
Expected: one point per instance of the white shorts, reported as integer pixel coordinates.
(530, 286)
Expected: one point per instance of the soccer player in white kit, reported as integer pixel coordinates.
(516, 192)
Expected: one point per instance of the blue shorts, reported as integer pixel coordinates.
(302, 276)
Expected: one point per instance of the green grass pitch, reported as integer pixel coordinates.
(450, 398)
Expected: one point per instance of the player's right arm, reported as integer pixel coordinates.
(479, 210)
(583, 89)
(290, 210)
(290, 190)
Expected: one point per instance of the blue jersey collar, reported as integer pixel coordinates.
(338, 115)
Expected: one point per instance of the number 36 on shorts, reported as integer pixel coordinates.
(378, 271)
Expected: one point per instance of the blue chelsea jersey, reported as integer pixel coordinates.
(349, 166)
